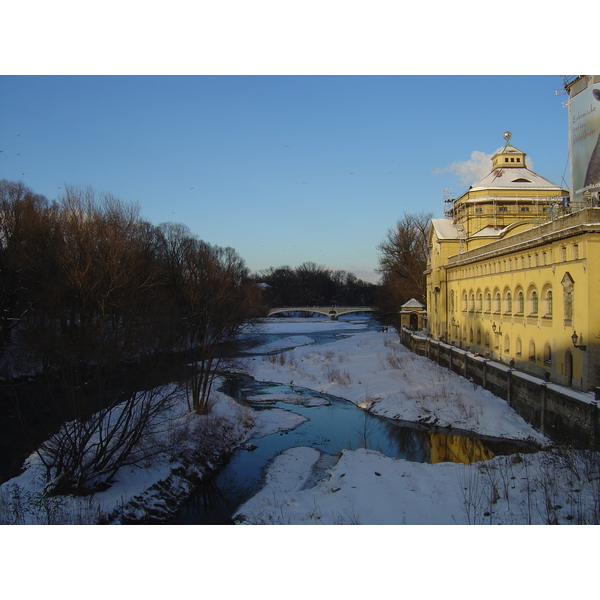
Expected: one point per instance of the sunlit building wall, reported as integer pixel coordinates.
(514, 274)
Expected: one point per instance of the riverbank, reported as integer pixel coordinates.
(375, 372)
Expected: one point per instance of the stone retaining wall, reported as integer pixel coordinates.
(564, 415)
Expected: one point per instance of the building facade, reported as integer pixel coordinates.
(514, 274)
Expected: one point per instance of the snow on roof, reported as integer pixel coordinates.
(412, 303)
(445, 229)
(490, 231)
(508, 149)
(514, 178)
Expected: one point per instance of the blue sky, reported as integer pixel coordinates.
(285, 169)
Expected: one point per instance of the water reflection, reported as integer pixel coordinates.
(331, 428)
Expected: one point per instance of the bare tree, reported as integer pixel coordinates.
(97, 315)
(220, 299)
(402, 262)
(85, 454)
(25, 220)
(89, 293)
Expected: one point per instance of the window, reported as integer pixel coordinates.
(575, 252)
(547, 354)
(508, 303)
(488, 303)
(568, 289)
(532, 351)
(534, 303)
(498, 303)
(520, 303)
(549, 303)
(502, 209)
(524, 209)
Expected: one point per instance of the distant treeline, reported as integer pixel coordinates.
(313, 285)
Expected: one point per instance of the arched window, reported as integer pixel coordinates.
(498, 302)
(508, 303)
(479, 302)
(532, 350)
(506, 344)
(549, 303)
(521, 305)
(534, 303)
(488, 303)
(568, 288)
(547, 354)
(464, 302)
(518, 347)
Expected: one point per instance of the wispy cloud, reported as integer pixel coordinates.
(470, 171)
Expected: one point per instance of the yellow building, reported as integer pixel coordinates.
(514, 274)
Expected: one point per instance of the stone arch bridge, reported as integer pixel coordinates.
(333, 312)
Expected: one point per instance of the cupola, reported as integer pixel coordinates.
(508, 156)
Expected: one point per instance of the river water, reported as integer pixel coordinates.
(334, 424)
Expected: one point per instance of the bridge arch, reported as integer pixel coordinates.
(333, 312)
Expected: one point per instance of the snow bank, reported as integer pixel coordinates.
(195, 445)
(367, 488)
(374, 371)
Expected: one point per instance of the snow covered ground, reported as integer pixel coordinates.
(373, 370)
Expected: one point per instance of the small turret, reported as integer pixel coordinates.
(508, 155)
